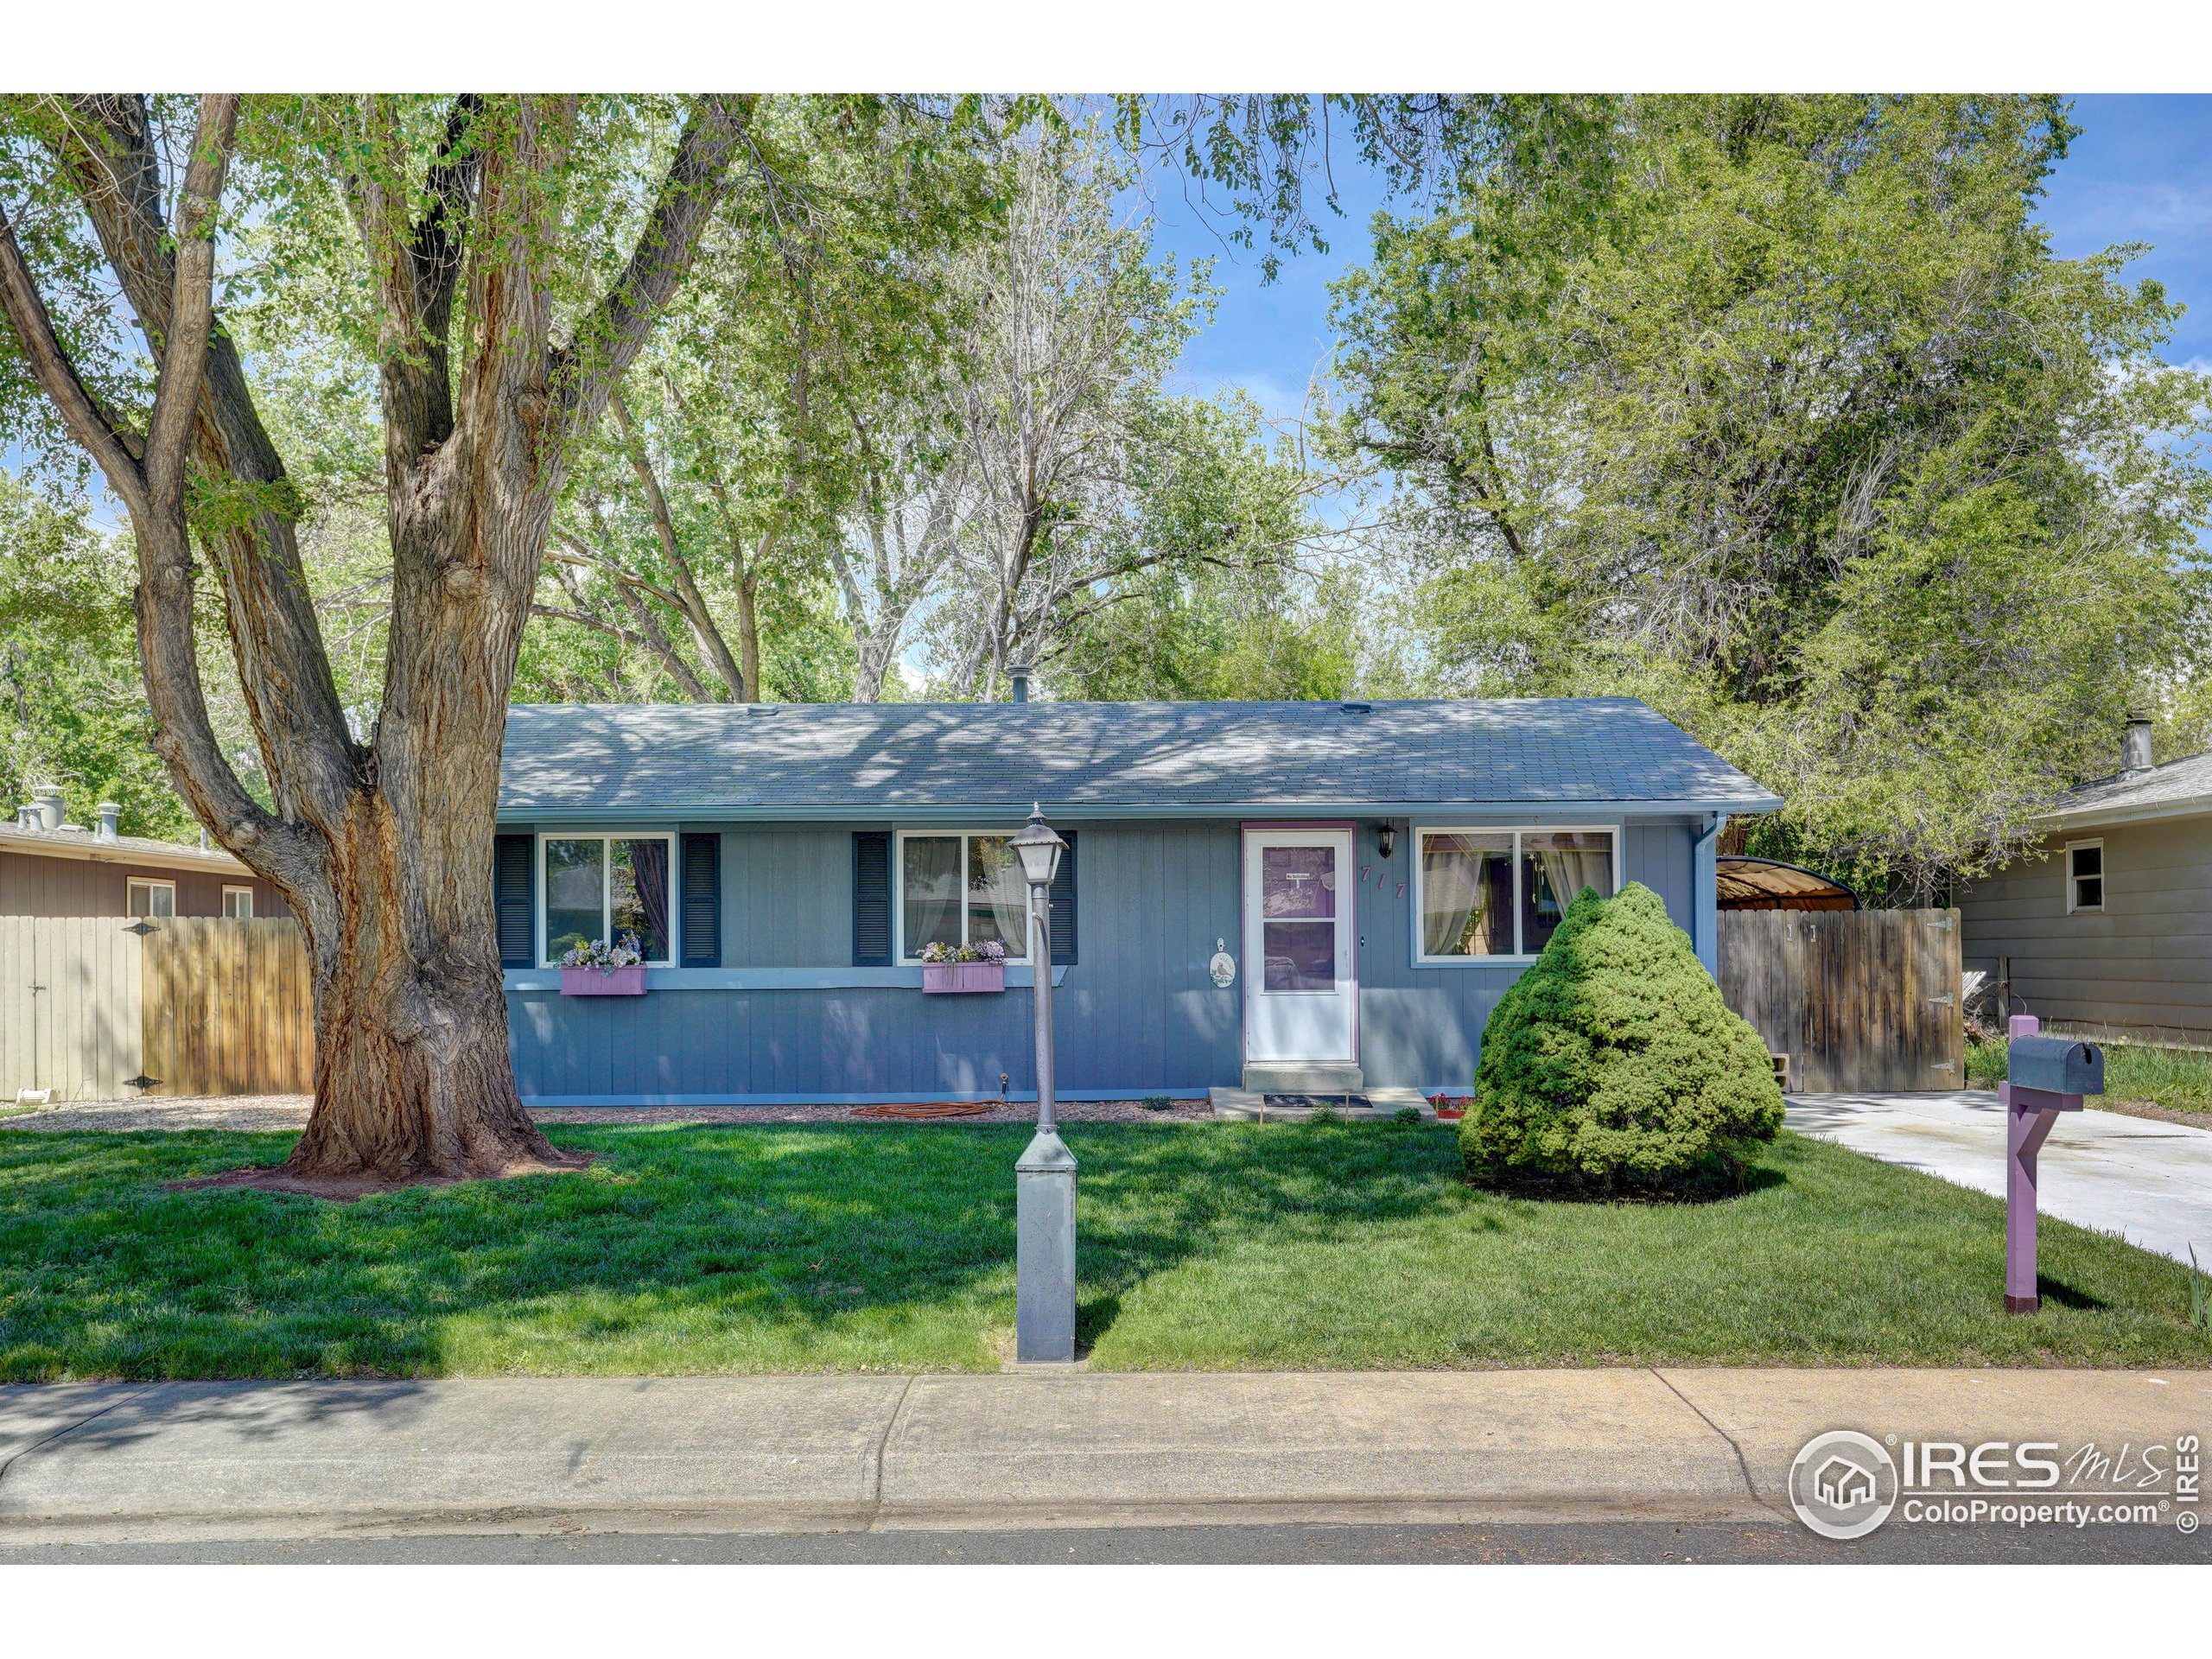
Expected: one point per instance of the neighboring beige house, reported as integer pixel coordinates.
(2107, 927)
(48, 867)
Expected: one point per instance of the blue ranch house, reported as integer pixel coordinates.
(1296, 895)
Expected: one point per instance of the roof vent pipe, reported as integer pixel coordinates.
(111, 816)
(1018, 673)
(2135, 745)
(49, 797)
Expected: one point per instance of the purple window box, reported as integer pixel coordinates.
(943, 976)
(604, 981)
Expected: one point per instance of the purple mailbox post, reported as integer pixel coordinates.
(2044, 1076)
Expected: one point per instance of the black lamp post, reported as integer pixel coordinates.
(1044, 1178)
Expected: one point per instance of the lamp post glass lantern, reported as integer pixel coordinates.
(1044, 1178)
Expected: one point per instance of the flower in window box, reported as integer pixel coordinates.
(948, 968)
(598, 969)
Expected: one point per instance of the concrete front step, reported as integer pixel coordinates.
(1250, 1106)
(1302, 1077)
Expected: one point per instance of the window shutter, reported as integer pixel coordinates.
(513, 883)
(871, 898)
(1062, 902)
(702, 901)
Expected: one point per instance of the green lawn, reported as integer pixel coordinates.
(2179, 1079)
(800, 1248)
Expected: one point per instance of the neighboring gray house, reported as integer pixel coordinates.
(2107, 924)
(1375, 874)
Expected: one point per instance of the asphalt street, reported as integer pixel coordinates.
(1591, 1542)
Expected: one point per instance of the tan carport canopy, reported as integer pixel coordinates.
(1744, 883)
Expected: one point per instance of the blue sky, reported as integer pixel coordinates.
(2141, 170)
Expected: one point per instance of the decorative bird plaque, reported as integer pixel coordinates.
(1223, 966)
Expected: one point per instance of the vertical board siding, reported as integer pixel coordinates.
(227, 1007)
(1860, 1001)
(1138, 1012)
(77, 1033)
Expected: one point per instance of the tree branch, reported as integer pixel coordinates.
(691, 604)
(275, 637)
(588, 372)
(417, 269)
(117, 455)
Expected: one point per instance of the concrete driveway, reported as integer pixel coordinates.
(2148, 1181)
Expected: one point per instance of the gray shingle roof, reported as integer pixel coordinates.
(124, 850)
(2178, 786)
(792, 759)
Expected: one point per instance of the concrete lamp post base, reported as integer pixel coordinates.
(1044, 1220)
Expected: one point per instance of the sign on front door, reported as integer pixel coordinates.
(1301, 981)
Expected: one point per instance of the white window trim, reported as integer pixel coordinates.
(2103, 874)
(230, 888)
(149, 883)
(1421, 957)
(898, 887)
(607, 889)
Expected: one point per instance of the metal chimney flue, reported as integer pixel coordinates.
(1018, 673)
(111, 818)
(2135, 745)
(48, 797)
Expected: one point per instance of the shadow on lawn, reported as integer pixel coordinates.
(789, 1244)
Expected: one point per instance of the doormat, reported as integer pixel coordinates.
(1333, 1103)
(928, 1108)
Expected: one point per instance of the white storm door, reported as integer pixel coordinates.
(1300, 984)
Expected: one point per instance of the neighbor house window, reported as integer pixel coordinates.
(145, 898)
(2085, 875)
(961, 887)
(1501, 892)
(237, 904)
(600, 887)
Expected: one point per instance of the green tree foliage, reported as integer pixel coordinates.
(72, 710)
(1614, 1055)
(1228, 608)
(1781, 413)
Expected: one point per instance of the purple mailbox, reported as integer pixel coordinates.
(2044, 1076)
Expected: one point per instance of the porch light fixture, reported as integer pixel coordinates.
(1039, 847)
(1044, 1178)
(1386, 840)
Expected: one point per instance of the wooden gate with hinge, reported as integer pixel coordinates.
(1860, 1001)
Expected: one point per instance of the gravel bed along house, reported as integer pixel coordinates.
(281, 1112)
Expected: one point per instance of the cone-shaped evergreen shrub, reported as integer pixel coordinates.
(1614, 1055)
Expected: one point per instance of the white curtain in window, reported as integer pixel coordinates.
(1464, 893)
(998, 895)
(1572, 861)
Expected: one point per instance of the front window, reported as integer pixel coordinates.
(597, 888)
(958, 888)
(150, 898)
(1502, 893)
(2085, 875)
(237, 904)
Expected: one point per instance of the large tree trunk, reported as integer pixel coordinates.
(412, 1076)
(382, 848)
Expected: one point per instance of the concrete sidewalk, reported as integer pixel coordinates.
(168, 1461)
(2147, 1181)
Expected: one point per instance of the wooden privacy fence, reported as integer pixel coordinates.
(1861, 1001)
(228, 1007)
(203, 1005)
